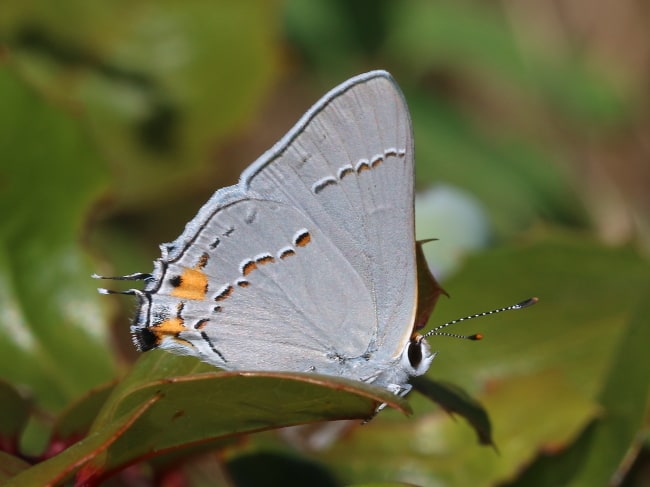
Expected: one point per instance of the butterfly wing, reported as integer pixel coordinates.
(309, 261)
(350, 169)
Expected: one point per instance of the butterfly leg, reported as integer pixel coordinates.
(396, 389)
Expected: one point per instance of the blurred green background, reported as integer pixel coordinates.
(119, 119)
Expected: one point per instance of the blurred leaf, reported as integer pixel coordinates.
(62, 467)
(384, 484)
(186, 458)
(479, 41)
(542, 391)
(454, 400)
(516, 182)
(11, 466)
(335, 36)
(489, 125)
(586, 291)
(274, 468)
(605, 448)
(13, 417)
(625, 399)
(51, 321)
(308, 25)
(162, 84)
(75, 421)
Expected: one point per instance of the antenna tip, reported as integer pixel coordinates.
(526, 303)
(476, 337)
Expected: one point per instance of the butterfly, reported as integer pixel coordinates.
(308, 264)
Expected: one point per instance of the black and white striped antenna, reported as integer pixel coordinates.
(477, 336)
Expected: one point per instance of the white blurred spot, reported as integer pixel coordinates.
(456, 219)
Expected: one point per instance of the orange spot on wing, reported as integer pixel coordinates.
(170, 327)
(287, 253)
(303, 239)
(193, 285)
(249, 267)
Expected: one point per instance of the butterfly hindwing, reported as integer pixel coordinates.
(268, 292)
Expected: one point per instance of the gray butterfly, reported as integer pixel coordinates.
(308, 263)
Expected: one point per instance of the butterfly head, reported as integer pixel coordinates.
(417, 356)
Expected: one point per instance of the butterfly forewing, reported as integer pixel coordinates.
(350, 169)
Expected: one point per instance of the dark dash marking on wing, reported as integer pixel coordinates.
(345, 170)
(205, 336)
(224, 294)
(199, 325)
(250, 217)
(203, 260)
(323, 183)
(363, 166)
(265, 259)
(287, 252)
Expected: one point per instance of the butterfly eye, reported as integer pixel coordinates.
(414, 353)
(417, 356)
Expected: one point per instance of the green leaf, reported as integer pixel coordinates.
(74, 423)
(62, 467)
(606, 446)
(625, 399)
(454, 400)
(515, 181)
(10, 466)
(384, 484)
(479, 42)
(212, 406)
(286, 468)
(153, 411)
(15, 413)
(161, 87)
(52, 319)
